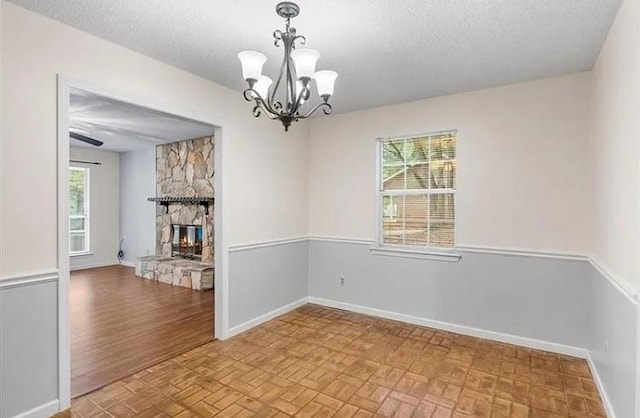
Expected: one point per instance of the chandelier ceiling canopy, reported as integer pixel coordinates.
(285, 99)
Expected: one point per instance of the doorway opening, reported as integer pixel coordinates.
(135, 295)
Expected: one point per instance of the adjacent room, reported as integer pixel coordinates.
(140, 238)
(320, 208)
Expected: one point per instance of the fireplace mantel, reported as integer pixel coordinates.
(194, 200)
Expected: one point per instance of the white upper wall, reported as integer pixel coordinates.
(616, 138)
(523, 165)
(261, 164)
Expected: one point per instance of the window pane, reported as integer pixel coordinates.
(77, 242)
(76, 224)
(393, 165)
(392, 222)
(77, 190)
(418, 176)
(416, 230)
(441, 220)
(443, 161)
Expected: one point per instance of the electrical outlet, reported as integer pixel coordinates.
(606, 346)
(341, 280)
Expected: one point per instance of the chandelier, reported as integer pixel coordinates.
(284, 100)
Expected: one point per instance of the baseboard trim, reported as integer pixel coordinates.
(460, 329)
(93, 266)
(608, 407)
(245, 326)
(128, 263)
(44, 410)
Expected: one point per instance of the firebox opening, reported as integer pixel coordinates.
(187, 241)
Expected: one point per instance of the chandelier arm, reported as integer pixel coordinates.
(257, 111)
(290, 74)
(296, 107)
(252, 95)
(277, 34)
(326, 109)
(276, 86)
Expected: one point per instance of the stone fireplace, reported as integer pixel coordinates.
(185, 178)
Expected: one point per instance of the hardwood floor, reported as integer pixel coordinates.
(320, 362)
(121, 324)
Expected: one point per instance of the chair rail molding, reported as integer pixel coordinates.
(28, 279)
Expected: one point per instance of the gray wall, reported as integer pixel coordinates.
(267, 278)
(613, 324)
(532, 297)
(28, 346)
(137, 215)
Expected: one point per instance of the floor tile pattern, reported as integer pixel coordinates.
(321, 362)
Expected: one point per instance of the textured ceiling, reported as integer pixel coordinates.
(385, 51)
(124, 127)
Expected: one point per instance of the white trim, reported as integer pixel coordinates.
(615, 280)
(267, 317)
(127, 263)
(608, 406)
(65, 85)
(419, 253)
(413, 136)
(28, 279)
(263, 244)
(64, 328)
(521, 252)
(94, 265)
(81, 253)
(459, 329)
(44, 410)
(356, 241)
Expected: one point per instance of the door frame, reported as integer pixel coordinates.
(65, 85)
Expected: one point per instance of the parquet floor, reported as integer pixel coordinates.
(121, 324)
(320, 362)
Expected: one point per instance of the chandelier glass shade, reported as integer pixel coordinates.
(284, 99)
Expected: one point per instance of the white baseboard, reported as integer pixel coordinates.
(460, 329)
(128, 263)
(93, 266)
(267, 317)
(45, 410)
(608, 407)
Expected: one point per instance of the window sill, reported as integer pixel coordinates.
(79, 254)
(448, 256)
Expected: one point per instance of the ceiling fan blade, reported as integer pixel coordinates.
(86, 139)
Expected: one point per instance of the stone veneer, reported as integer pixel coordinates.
(183, 169)
(176, 271)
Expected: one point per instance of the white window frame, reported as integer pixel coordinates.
(86, 217)
(408, 251)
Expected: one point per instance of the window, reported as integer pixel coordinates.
(78, 210)
(416, 192)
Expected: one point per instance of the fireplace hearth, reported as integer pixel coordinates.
(186, 241)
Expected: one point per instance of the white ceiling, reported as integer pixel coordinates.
(124, 127)
(385, 51)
